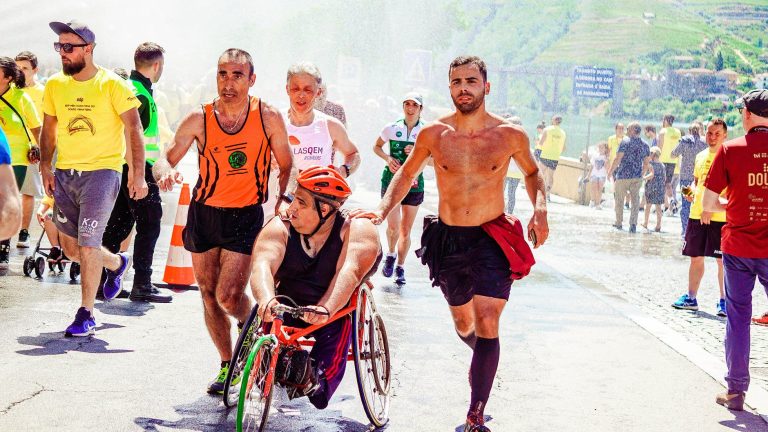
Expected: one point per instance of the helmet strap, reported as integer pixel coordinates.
(322, 221)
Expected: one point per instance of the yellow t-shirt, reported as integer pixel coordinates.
(700, 170)
(14, 126)
(613, 145)
(553, 146)
(671, 140)
(36, 93)
(90, 130)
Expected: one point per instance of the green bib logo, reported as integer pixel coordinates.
(399, 134)
(237, 159)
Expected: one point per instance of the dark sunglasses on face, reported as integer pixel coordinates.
(67, 47)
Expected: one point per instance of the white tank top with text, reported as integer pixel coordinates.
(311, 144)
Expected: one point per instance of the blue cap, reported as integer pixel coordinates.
(76, 27)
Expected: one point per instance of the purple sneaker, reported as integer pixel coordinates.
(113, 284)
(83, 325)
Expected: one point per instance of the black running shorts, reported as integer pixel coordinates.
(703, 240)
(464, 262)
(233, 229)
(412, 199)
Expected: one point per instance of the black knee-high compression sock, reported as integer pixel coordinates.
(470, 339)
(485, 360)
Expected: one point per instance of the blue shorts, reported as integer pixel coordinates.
(549, 163)
(83, 202)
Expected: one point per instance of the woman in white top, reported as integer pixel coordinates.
(599, 162)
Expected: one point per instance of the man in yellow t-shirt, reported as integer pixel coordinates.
(89, 114)
(669, 138)
(33, 185)
(614, 141)
(27, 62)
(702, 235)
(552, 146)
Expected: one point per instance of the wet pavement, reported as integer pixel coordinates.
(647, 270)
(571, 360)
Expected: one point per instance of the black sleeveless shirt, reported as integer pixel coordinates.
(303, 278)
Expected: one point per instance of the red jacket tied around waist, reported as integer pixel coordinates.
(507, 231)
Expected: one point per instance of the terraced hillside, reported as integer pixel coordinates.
(628, 35)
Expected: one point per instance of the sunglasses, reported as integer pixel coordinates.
(67, 47)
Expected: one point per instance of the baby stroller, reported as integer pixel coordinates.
(38, 264)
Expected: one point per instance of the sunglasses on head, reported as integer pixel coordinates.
(67, 47)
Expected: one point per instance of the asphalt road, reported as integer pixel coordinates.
(570, 362)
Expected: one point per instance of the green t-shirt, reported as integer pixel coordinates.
(397, 136)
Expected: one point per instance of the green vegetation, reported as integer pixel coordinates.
(611, 35)
(638, 39)
(538, 42)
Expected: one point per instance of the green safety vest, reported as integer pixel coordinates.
(152, 131)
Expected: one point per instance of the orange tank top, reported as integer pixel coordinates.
(234, 168)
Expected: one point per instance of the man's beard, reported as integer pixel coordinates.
(72, 67)
(470, 107)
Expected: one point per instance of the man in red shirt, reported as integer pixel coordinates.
(741, 165)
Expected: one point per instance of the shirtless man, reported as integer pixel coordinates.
(225, 214)
(471, 149)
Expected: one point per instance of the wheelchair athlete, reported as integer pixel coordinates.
(317, 257)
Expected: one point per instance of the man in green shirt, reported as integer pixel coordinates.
(147, 212)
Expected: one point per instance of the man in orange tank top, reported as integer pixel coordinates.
(236, 136)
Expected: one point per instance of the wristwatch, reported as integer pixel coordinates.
(346, 168)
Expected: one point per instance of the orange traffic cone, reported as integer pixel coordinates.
(178, 268)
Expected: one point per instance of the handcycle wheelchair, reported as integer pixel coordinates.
(38, 264)
(255, 355)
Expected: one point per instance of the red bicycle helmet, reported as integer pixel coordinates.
(324, 181)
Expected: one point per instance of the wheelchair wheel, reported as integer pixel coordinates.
(371, 355)
(247, 338)
(74, 271)
(40, 267)
(381, 362)
(257, 386)
(29, 264)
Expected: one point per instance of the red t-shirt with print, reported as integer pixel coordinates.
(741, 165)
